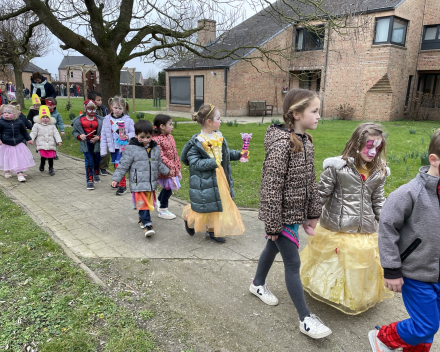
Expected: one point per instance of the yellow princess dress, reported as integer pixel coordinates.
(229, 221)
(343, 269)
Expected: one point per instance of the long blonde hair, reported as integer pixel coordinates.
(357, 142)
(296, 100)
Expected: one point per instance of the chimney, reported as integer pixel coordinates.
(207, 34)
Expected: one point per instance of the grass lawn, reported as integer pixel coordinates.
(141, 105)
(48, 302)
(404, 152)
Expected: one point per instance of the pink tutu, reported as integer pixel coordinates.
(170, 183)
(15, 158)
(49, 154)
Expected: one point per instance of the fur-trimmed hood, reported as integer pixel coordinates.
(338, 163)
(37, 119)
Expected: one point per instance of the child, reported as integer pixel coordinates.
(34, 110)
(47, 133)
(340, 264)
(52, 103)
(409, 244)
(207, 154)
(87, 129)
(163, 125)
(289, 197)
(22, 117)
(14, 155)
(110, 140)
(101, 110)
(142, 159)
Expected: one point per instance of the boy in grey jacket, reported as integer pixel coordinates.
(409, 242)
(142, 158)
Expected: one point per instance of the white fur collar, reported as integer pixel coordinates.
(338, 163)
(52, 120)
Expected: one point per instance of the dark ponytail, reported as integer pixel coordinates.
(160, 119)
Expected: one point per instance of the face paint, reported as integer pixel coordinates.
(372, 147)
(217, 117)
(8, 114)
(91, 111)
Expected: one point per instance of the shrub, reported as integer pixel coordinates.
(140, 115)
(412, 131)
(229, 123)
(235, 123)
(275, 121)
(175, 124)
(68, 106)
(424, 158)
(71, 116)
(345, 111)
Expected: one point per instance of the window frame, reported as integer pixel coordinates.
(390, 31)
(180, 77)
(433, 43)
(306, 32)
(70, 74)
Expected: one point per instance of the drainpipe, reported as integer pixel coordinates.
(225, 101)
(416, 76)
(325, 70)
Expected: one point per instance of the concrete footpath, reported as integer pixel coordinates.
(202, 281)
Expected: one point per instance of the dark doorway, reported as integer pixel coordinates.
(199, 92)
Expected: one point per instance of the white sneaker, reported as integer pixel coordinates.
(376, 344)
(314, 327)
(166, 214)
(21, 178)
(263, 293)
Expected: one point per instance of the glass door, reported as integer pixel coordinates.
(199, 92)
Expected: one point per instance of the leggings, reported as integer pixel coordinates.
(292, 263)
(50, 160)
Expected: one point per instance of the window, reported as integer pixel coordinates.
(71, 74)
(310, 38)
(390, 30)
(432, 84)
(92, 76)
(305, 80)
(431, 37)
(180, 90)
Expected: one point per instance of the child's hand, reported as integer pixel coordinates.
(62, 133)
(394, 285)
(114, 184)
(60, 144)
(272, 237)
(83, 137)
(1, 142)
(94, 139)
(310, 222)
(309, 230)
(179, 176)
(31, 142)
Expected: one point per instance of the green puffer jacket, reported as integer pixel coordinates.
(203, 188)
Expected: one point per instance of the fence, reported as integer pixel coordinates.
(143, 92)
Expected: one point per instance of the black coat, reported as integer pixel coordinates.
(31, 114)
(13, 132)
(26, 122)
(50, 90)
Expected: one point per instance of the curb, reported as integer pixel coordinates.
(90, 273)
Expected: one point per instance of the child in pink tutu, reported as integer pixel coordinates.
(46, 133)
(14, 155)
(163, 125)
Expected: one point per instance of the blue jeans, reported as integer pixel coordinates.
(422, 302)
(164, 195)
(92, 161)
(145, 217)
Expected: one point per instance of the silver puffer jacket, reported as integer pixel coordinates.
(350, 204)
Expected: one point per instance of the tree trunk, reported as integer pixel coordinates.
(109, 78)
(18, 73)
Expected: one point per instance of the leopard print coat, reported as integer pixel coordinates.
(289, 191)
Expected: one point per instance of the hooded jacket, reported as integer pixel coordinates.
(203, 187)
(107, 142)
(350, 204)
(46, 134)
(59, 123)
(144, 166)
(77, 130)
(13, 132)
(412, 212)
(289, 192)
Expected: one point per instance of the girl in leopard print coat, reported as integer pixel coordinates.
(289, 198)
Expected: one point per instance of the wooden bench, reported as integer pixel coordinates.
(259, 107)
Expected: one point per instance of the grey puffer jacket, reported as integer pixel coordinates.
(350, 204)
(203, 188)
(144, 166)
(412, 212)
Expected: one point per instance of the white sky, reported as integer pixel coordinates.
(52, 60)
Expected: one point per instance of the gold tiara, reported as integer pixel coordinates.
(212, 108)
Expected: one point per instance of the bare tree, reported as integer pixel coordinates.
(112, 32)
(22, 38)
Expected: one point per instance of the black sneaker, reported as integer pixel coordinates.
(56, 157)
(149, 231)
(121, 191)
(96, 179)
(217, 239)
(90, 185)
(51, 171)
(104, 172)
(190, 232)
(41, 168)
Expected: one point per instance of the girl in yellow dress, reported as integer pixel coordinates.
(212, 208)
(340, 264)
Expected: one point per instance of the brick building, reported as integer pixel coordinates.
(7, 74)
(393, 54)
